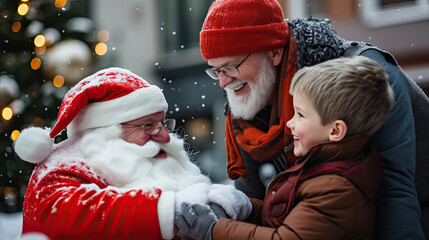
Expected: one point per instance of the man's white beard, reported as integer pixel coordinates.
(246, 107)
(128, 165)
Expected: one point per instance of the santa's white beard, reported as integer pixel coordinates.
(128, 165)
(247, 106)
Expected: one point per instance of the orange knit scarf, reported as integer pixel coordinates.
(264, 145)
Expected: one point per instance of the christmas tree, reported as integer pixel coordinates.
(46, 47)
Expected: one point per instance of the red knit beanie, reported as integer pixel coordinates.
(238, 27)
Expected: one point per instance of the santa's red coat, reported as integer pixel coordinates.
(67, 199)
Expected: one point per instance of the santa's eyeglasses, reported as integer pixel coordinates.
(154, 128)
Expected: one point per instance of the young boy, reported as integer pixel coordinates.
(329, 193)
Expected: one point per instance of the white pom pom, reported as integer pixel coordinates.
(34, 145)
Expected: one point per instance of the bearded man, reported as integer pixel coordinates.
(120, 174)
(254, 53)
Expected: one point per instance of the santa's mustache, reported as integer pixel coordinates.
(152, 148)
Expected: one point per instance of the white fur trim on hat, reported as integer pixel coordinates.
(34, 144)
(166, 214)
(137, 104)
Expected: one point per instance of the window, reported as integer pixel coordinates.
(181, 22)
(382, 13)
(303, 9)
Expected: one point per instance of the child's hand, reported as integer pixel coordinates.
(198, 220)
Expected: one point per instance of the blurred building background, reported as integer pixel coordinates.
(46, 46)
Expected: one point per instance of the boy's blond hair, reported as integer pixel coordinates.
(354, 90)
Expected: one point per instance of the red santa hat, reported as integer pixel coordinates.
(110, 96)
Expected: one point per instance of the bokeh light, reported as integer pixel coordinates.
(58, 81)
(14, 135)
(60, 3)
(23, 9)
(103, 35)
(36, 63)
(16, 26)
(40, 50)
(37, 121)
(100, 49)
(7, 113)
(39, 40)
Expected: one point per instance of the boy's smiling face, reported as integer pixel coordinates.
(306, 126)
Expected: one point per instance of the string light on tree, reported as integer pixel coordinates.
(14, 135)
(100, 49)
(23, 9)
(58, 81)
(40, 50)
(7, 113)
(16, 26)
(35, 63)
(103, 35)
(37, 121)
(39, 40)
(60, 3)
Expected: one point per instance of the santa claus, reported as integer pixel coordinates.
(121, 174)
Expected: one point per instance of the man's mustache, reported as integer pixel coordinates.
(152, 148)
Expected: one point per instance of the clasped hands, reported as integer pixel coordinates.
(199, 206)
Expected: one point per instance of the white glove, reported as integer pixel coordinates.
(196, 193)
(235, 203)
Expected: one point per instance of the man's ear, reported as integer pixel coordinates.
(338, 131)
(277, 55)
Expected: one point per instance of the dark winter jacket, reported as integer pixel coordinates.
(330, 195)
(402, 142)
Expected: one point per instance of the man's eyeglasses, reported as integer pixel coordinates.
(155, 127)
(228, 70)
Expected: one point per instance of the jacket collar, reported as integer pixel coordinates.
(348, 148)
